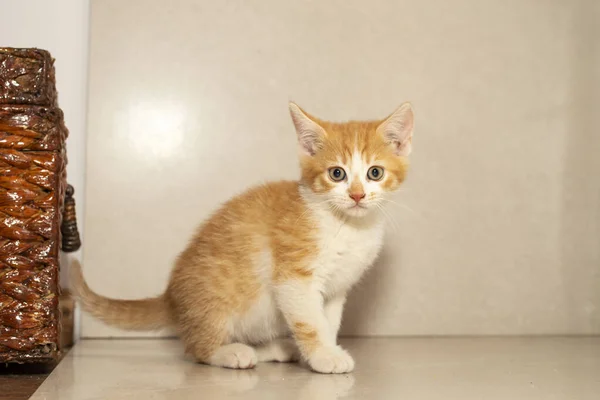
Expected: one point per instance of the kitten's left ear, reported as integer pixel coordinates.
(397, 129)
(310, 133)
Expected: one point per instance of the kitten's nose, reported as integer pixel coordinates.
(357, 197)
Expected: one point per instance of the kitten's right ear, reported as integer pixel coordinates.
(310, 133)
(397, 129)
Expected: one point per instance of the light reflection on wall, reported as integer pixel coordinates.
(156, 129)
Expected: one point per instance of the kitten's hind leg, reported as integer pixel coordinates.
(234, 355)
(206, 338)
(278, 350)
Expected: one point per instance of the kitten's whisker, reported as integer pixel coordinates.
(402, 206)
(386, 216)
(393, 220)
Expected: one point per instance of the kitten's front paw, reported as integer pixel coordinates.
(331, 360)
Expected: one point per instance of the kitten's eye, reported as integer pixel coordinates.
(375, 173)
(337, 174)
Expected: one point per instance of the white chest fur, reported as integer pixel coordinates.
(347, 249)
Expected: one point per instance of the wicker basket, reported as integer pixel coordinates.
(32, 188)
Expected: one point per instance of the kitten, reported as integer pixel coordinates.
(266, 277)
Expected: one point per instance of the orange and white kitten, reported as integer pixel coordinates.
(266, 277)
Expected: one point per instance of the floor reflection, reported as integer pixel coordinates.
(293, 379)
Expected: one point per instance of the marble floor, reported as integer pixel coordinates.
(387, 368)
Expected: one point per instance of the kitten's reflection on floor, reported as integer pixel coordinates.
(325, 387)
(296, 381)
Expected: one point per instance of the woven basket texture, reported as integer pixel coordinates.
(32, 186)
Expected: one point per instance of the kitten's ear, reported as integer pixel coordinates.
(310, 133)
(397, 129)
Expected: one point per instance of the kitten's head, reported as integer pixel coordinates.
(353, 165)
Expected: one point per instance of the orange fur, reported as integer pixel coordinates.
(224, 247)
(306, 336)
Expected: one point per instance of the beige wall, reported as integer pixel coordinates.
(188, 105)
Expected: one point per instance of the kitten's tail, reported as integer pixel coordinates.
(136, 315)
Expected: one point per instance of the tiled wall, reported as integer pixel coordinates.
(498, 227)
